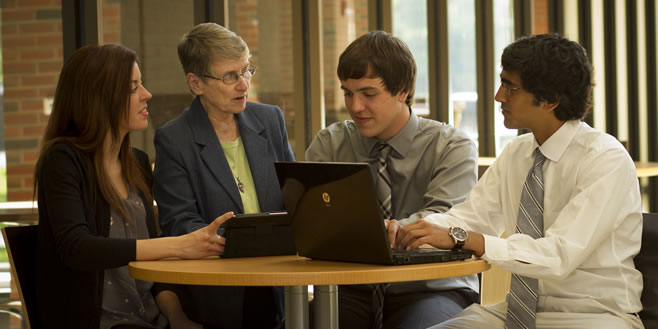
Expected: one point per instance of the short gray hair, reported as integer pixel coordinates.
(206, 43)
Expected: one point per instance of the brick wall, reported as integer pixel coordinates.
(32, 59)
(111, 22)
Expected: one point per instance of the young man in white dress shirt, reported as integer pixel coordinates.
(582, 260)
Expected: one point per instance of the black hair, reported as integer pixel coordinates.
(554, 69)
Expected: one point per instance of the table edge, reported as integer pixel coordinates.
(373, 274)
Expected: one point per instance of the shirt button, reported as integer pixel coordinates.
(126, 300)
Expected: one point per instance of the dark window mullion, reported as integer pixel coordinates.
(556, 16)
(485, 70)
(79, 25)
(438, 55)
(585, 38)
(610, 60)
(632, 83)
(652, 98)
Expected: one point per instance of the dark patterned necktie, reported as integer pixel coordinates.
(383, 183)
(383, 186)
(522, 298)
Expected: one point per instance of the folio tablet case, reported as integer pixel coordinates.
(335, 216)
(254, 235)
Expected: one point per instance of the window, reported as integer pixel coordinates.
(31, 61)
(342, 22)
(266, 26)
(503, 35)
(137, 25)
(463, 87)
(410, 25)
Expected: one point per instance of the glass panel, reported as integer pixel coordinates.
(342, 22)
(463, 84)
(266, 26)
(503, 35)
(414, 33)
(31, 60)
(31, 57)
(138, 25)
(3, 156)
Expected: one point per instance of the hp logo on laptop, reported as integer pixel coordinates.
(326, 198)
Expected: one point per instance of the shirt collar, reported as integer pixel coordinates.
(401, 142)
(554, 146)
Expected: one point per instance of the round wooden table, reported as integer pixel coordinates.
(296, 273)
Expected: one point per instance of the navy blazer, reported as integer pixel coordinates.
(193, 182)
(193, 185)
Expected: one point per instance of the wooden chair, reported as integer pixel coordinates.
(494, 286)
(647, 263)
(21, 244)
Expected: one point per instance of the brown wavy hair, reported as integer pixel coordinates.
(93, 98)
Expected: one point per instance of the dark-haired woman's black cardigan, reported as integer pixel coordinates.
(73, 245)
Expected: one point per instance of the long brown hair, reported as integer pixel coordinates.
(93, 98)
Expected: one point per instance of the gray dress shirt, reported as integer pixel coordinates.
(432, 167)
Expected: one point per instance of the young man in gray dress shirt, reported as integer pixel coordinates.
(431, 167)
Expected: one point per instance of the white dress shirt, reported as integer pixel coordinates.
(592, 216)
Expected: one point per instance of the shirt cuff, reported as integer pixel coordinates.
(495, 249)
(406, 221)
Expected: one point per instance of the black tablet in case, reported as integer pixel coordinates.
(262, 234)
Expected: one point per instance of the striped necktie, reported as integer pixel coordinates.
(522, 298)
(383, 186)
(383, 182)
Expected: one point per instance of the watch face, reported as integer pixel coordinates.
(459, 233)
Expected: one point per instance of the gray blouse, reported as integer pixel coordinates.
(127, 301)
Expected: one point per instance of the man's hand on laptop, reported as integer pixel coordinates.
(422, 232)
(392, 227)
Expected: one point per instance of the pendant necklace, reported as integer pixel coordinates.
(237, 166)
(240, 185)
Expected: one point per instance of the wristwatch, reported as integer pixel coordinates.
(459, 235)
